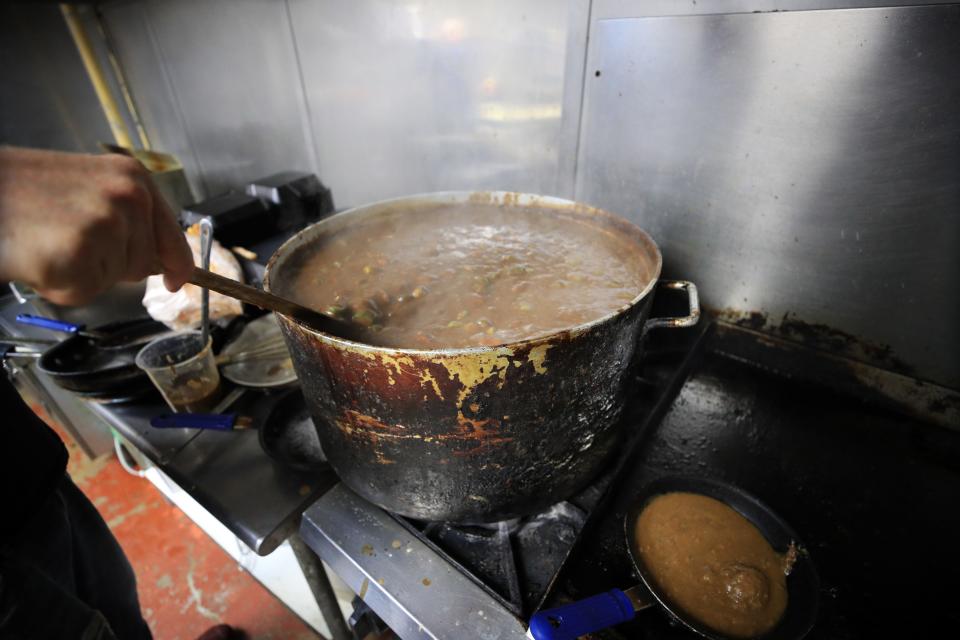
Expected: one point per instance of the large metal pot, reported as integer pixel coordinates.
(471, 434)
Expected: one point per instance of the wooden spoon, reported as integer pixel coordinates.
(245, 293)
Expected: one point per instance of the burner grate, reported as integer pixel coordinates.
(514, 560)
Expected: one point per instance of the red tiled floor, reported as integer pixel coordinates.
(185, 581)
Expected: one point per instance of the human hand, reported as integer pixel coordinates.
(72, 225)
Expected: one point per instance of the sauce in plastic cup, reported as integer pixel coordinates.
(184, 370)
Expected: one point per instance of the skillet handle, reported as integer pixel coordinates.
(680, 321)
(214, 421)
(585, 616)
(49, 323)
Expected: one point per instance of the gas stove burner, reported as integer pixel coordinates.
(513, 560)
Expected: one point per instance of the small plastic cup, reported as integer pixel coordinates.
(184, 370)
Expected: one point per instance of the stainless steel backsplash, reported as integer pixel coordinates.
(380, 99)
(801, 164)
(46, 99)
(802, 167)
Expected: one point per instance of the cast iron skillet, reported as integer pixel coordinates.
(607, 609)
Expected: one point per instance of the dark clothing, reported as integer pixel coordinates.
(32, 460)
(62, 573)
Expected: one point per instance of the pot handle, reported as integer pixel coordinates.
(679, 321)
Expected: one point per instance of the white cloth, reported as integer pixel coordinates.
(181, 309)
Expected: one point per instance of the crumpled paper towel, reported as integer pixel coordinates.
(181, 309)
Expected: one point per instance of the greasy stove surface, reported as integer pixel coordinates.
(872, 493)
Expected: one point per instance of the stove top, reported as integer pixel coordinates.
(516, 561)
(867, 487)
(850, 456)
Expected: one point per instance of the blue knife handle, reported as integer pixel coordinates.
(49, 323)
(215, 421)
(585, 616)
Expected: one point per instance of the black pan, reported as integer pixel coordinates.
(81, 364)
(607, 609)
(288, 435)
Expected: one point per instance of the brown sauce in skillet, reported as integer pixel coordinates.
(469, 275)
(712, 564)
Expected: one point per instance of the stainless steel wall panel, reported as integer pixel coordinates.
(127, 24)
(578, 26)
(425, 96)
(796, 161)
(604, 9)
(225, 72)
(801, 163)
(46, 99)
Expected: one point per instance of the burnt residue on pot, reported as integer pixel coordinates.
(480, 434)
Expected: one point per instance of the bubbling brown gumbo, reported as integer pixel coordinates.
(464, 275)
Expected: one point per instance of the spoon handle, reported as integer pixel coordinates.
(206, 244)
(264, 300)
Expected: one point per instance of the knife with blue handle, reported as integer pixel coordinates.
(570, 621)
(209, 421)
